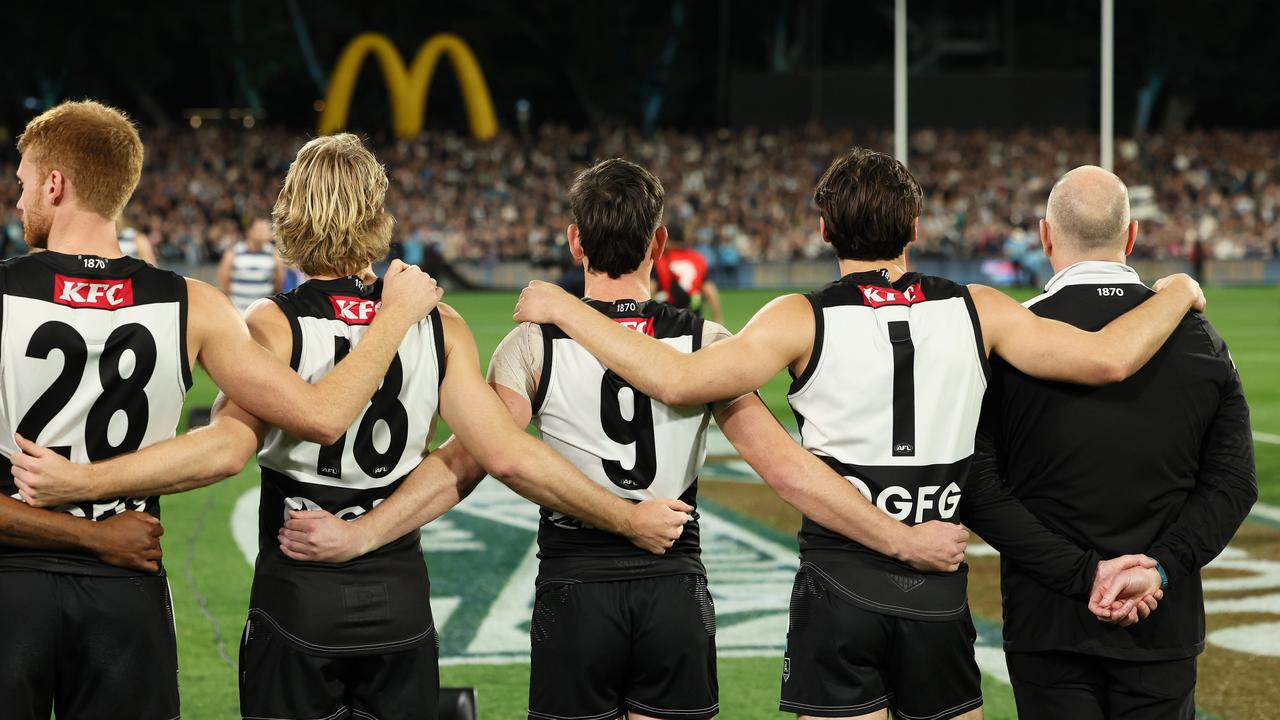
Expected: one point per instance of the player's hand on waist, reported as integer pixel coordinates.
(130, 540)
(542, 302)
(1182, 283)
(408, 293)
(46, 479)
(935, 546)
(318, 536)
(656, 524)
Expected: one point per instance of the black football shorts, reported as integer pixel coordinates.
(600, 649)
(844, 660)
(278, 681)
(86, 647)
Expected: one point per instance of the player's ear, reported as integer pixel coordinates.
(1046, 239)
(915, 230)
(575, 241)
(56, 187)
(1133, 237)
(822, 229)
(659, 243)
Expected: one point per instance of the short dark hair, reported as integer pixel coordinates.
(617, 206)
(869, 203)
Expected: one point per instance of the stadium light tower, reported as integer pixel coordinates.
(900, 80)
(1108, 128)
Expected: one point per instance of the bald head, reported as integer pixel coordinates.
(1089, 210)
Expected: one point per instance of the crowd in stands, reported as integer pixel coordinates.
(741, 195)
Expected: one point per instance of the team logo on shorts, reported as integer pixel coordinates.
(786, 669)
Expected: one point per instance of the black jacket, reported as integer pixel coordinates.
(1066, 475)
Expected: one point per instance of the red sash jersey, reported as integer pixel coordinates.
(684, 267)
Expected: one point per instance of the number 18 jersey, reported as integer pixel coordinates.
(93, 364)
(376, 602)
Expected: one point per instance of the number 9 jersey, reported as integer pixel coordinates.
(93, 364)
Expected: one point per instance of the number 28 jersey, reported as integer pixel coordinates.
(890, 399)
(376, 602)
(93, 364)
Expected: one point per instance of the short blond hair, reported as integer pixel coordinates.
(330, 217)
(95, 146)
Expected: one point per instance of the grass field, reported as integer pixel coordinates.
(210, 578)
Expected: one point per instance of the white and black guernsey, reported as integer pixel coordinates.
(93, 364)
(377, 602)
(890, 399)
(253, 274)
(633, 446)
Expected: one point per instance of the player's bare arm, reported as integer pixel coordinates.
(1057, 351)
(129, 540)
(779, 336)
(268, 389)
(443, 479)
(192, 460)
(535, 471)
(810, 486)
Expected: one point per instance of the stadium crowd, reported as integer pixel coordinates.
(741, 195)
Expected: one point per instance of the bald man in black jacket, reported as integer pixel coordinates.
(1160, 465)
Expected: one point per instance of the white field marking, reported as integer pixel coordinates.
(991, 661)
(1255, 639)
(1271, 438)
(442, 609)
(501, 630)
(1270, 512)
(244, 525)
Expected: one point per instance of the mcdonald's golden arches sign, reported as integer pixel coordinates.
(408, 87)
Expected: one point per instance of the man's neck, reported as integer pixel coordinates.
(896, 267)
(632, 286)
(366, 275)
(1061, 262)
(84, 234)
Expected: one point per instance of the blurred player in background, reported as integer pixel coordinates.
(135, 244)
(890, 368)
(95, 360)
(340, 622)
(250, 270)
(680, 278)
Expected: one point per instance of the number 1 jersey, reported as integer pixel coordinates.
(93, 364)
(890, 399)
(376, 602)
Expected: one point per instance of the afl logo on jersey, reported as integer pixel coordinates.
(354, 310)
(877, 296)
(86, 293)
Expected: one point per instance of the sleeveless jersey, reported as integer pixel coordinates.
(377, 602)
(93, 364)
(633, 446)
(890, 399)
(681, 273)
(253, 275)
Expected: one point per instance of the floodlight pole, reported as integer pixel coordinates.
(900, 80)
(1108, 127)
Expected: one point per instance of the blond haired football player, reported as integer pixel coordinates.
(96, 353)
(354, 633)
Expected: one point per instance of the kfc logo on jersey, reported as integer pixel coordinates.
(354, 310)
(640, 325)
(86, 293)
(877, 296)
